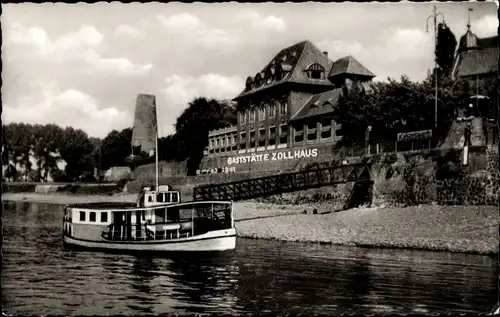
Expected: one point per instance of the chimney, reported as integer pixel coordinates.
(326, 53)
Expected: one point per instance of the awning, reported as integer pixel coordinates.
(311, 131)
(300, 132)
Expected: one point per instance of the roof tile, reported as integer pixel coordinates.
(349, 65)
(478, 62)
(320, 104)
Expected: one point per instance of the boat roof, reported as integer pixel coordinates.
(133, 206)
(103, 205)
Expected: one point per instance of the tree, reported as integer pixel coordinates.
(76, 150)
(445, 49)
(47, 139)
(115, 148)
(193, 125)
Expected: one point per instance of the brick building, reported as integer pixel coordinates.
(289, 104)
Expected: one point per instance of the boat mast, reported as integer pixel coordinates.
(156, 154)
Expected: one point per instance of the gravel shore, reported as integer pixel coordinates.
(470, 229)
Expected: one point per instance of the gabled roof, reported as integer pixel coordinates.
(319, 104)
(477, 62)
(349, 65)
(289, 58)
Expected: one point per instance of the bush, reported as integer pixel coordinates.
(121, 183)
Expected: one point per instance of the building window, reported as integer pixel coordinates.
(252, 139)
(258, 80)
(326, 128)
(311, 131)
(262, 137)
(253, 115)
(283, 108)
(104, 217)
(269, 76)
(243, 117)
(299, 133)
(243, 141)
(279, 72)
(316, 71)
(272, 135)
(283, 134)
(82, 215)
(92, 217)
(249, 83)
(262, 113)
(339, 131)
(272, 110)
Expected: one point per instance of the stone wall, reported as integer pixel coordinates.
(437, 176)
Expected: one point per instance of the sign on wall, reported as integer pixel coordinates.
(414, 135)
(275, 156)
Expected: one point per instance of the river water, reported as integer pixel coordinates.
(40, 277)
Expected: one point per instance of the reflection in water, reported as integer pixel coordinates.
(258, 277)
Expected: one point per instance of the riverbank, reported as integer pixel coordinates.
(469, 229)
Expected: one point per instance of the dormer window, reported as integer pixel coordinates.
(269, 75)
(316, 71)
(249, 83)
(258, 80)
(278, 72)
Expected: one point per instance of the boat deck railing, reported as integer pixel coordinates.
(164, 230)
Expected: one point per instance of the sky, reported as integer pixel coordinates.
(83, 65)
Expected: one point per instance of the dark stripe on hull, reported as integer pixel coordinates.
(146, 242)
(167, 254)
(214, 243)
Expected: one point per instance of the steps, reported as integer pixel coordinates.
(456, 138)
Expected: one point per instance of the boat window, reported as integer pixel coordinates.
(82, 215)
(150, 199)
(143, 215)
(92, 217)
(169, 195)
(160, 215)
(159, 198)
(104, 217)
(175, 197)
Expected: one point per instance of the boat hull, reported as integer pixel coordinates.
(220, 240)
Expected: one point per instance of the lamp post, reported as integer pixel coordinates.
(434, 16)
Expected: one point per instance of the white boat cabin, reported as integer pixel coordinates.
(163, 196)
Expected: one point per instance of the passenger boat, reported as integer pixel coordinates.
(159, 221)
